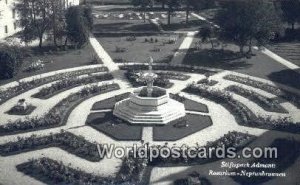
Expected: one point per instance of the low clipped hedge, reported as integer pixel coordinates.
(58, 114)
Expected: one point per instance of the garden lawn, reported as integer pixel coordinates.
(55, 60)
(139, 50)
(259, 65)
(113, 127)
(110, 102)
(171, 131)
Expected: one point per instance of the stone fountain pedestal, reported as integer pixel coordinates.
(139, 108)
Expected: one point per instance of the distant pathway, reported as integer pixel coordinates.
(183, 49)
(278, 58)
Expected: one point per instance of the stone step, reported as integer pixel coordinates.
(149, 120)
(146, 115)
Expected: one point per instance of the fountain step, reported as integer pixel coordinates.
(147, 115)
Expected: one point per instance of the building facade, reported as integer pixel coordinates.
(9, 16)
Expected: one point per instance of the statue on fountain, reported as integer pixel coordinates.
(149, 77)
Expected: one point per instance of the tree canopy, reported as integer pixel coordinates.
(291, 11)
(246, 21)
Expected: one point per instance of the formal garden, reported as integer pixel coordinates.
(58, 99)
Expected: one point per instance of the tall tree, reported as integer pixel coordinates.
(57, 18)
(172, 6)
(34, 19)
(291, 11)
(78, 25)
(189, 4)
(162, 2)
(143, 4)
(246, 21)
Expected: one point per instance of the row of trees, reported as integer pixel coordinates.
(173, 5)
(40, 18)
(248, 22)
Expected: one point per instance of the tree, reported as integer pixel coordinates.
(162, 2)
(246, 21)
(78, 24)
(11, 58)
(188, 5)
(57, 18)
(172, 5)
(206, 33)
(34, 19)
(38, 17)
(291, 11)
(143, 4)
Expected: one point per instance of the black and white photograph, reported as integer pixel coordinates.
(149, 92)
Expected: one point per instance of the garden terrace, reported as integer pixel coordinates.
(124, 49)
(292, 97)
(65, 84)
(242, 114)
(24, 86)
(231, 139)
(76, 145)
(54, 172)
(271, 105)
(58, 114)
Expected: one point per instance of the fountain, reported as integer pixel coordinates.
(149, 104)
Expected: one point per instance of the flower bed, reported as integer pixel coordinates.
(173, 75)
(25, 86)
(135, 80)
(292, 97)
(242, 114)
(48, 170)
(231, 139)
(69, 83)
(180, 68)
(208, 82)
(268, 104)
(16, 110)
(58, 114)
(76, 145)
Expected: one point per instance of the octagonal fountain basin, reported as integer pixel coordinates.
(140, 109)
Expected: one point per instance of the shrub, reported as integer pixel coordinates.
(74, 144)
(11, 60)
(58, 113)
(25, 86)
(79, 24)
